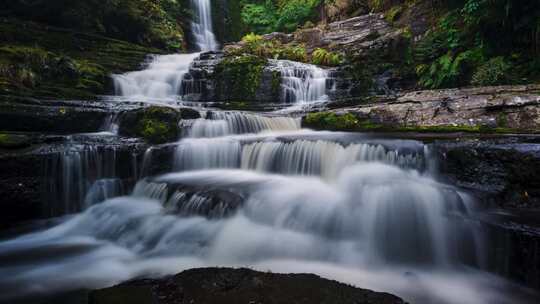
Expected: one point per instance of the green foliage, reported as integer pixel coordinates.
(493, 72)
(393, 13)
(332, 121)
(47, 62)
(449, 70)
(271, 16)
(260, 18)
(255, 44)
(323, 57)
(470, 42)
(149, 22)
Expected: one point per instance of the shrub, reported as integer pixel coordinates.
(324, 57)
(493, 72)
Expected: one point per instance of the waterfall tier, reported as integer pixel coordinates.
(300, 82)
(202, 28)
(226, 123)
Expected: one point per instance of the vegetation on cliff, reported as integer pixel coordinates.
(156, 23)
(278, 15)
(239, 76)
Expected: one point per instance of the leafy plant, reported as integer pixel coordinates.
(323, 57)
(493, 72)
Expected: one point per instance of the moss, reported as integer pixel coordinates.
(332, 121)
(393, 13)
(502, 120)
(48, 62)
(13, 141)
(155, 124)
(349, 122)
(239, 77)
(276, 82)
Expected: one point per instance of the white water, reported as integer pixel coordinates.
(202, 27)
(301, 83)
(364, 213)
(226, 123)
(161, 80)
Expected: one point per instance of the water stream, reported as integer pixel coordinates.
(256, 190)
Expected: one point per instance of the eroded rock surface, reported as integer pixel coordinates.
(232, 286)
(504, 107)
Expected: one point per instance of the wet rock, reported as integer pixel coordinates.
(189, 200)
(14, 141)
(504, 172)
(156, 124)
(480, 109)
(52, 176)
(32, 115)
(225, 285)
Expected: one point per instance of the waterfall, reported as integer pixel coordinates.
(164, 74)
(81, 176)
(202, 27)
(226, 123)
(300, 82)
(162, 78)
(300, 157)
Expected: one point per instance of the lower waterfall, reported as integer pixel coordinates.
(363, 211)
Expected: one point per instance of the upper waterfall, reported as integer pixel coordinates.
(202, 29)
(301, 82)
(162, 78)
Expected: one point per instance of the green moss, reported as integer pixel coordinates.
(393, 13)
(47, 62)
(349, 122)
(239, 77)
(156, 124)
(13, 141)
(332, 121)
(276, 83)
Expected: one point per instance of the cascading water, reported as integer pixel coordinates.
(301, 83)
(366, 212)
(163, 77)
(226, 123)
(202, 28)
(256, 190)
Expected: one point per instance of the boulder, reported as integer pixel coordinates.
(501, 109)
(155, 124)
(228, 286)
(32, 115)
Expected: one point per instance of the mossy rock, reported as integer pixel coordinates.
(48, 62)
(239, 77)
(351, 122)
(156, 124)
(14, 141)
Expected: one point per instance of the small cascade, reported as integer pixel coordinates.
(111, 124)
(162, 79)
(323, 158)
(184, 200)
(225, 123)
(300, 157)
(300, 82)
(81, 176)
(202, 28)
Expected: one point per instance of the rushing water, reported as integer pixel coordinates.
(301, 83)
(256, 190)
(202, 27)
(268, 195)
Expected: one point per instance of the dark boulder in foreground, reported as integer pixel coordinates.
(233, 286)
